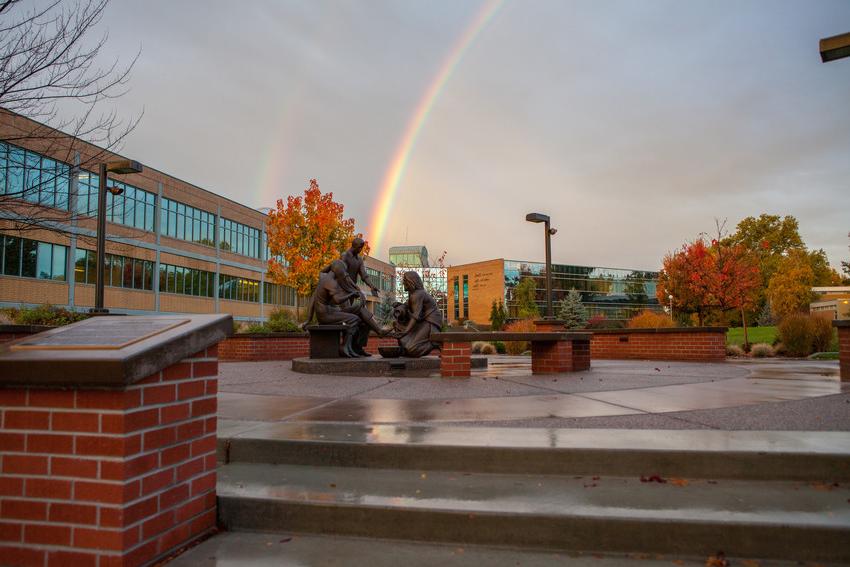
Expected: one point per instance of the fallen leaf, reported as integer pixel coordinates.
(423, 476)
(750, 563)
(286, 540)
(678, 562)
(332, 485)
(658, 370)
(677, 481)
(653, 478)
(595, 478)
(823, 486)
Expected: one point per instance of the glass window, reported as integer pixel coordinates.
(44, 260)
(12, 256)
(29, 254)
(59, 256)
(80, 266)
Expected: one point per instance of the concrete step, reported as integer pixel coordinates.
(759, 519)
(740, 455)
(282, 550)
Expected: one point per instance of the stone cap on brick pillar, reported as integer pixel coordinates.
(108, 352)
(841, 323)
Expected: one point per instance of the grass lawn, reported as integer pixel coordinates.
(735, 336)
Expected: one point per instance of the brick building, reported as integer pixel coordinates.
(613, 292)
(171, 246)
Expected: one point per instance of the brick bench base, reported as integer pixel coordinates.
(551, 352)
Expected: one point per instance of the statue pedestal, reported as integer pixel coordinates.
(325, 340)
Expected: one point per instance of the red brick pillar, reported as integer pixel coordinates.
(552, 357)
(843, 349)
(114, 477)
(455, 359)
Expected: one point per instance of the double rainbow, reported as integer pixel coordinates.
(401, 157)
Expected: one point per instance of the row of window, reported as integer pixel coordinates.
(187, 281)
(133, 207)
(119, 271)
(27, 258)
(29, 176)
(239, 238)
(187, 223)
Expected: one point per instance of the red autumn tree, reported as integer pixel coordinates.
(307, 233)
(739, 282)
(689, 276)
(703, 277)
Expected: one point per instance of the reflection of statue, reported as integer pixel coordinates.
(335, 303)
(417, 319)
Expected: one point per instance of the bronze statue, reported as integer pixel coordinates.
(335, 303)
(416, 319)
(355, 268)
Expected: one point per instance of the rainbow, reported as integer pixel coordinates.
(401, 157)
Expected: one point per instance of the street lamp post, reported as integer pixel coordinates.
(539, 217)
(122, 167)
(670, 297)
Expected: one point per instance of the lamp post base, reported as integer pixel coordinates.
(94, 311)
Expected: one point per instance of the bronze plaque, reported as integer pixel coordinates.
(101, 333)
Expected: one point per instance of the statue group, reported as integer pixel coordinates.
(338, 300)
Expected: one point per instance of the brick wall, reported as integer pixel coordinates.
(249, 347)
(560, 356)
(702, 344)
(455, 359)
(109, 477)
(486, 283)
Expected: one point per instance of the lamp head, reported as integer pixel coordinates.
(124, 166)
(115, 190)
(537, 217)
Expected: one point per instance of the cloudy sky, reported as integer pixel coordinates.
(632, 124)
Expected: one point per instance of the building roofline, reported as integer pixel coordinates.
(106, 151)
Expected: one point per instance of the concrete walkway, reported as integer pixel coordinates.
(795, 395)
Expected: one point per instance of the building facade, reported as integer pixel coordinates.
(171, 246)
(612, 292)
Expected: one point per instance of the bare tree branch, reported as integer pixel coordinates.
(48, 60)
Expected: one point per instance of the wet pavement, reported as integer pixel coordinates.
(780, 395)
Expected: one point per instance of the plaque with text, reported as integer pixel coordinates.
(101, 333)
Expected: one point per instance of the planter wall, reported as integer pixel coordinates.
(693, 344)
(843, 327)
(278, 346)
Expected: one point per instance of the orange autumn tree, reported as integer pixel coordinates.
(308, 233)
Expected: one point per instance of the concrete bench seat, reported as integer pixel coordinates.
(552, 352)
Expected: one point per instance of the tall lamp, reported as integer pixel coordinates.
(540, 217)
(122, 167)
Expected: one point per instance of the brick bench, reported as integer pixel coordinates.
(551, 352)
